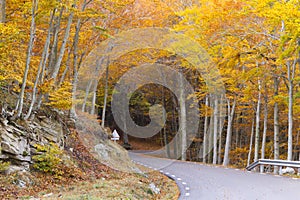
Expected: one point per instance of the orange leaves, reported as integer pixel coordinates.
(144, 13)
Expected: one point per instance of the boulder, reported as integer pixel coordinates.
(288, 170)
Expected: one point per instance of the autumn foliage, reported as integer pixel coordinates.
(254, 44)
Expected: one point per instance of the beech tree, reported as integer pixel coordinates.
(20, 102)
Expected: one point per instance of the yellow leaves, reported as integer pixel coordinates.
(62, 97)
(245, 39)
(12, 56)
(205, 110)
(49, 159)
(47, 86)
(280, 99)
(144, 13)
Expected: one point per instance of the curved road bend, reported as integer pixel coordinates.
(197, 181)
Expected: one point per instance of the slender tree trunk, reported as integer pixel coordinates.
(220, 146)
(220, 133)
(106, 86)
(291, 72)
(125, 136)
(105, 93)
(210, 140)
(256, 145)
(52, 56)
(40, 68)
(230, 112)
(68, 62)
(63, 47)
(94, 91)
(28, 58)
(204, 155)
(263, 144)
(91, 82)
(296, 147)
(251, 143)
(54, 46)
(165, 135)
(276, 124)
(174, 128)
(216, 113)
(2, 10)
(74, 89)
(236, 132)
(76, 64)
(182, 105)
(87, 92)
(94, 98)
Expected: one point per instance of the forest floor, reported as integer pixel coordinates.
(129, 186)
(114, 186)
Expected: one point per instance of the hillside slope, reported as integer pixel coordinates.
(90, 164)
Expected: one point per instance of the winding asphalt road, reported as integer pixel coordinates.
(197, 181)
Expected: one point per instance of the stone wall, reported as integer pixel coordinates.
(18, 138)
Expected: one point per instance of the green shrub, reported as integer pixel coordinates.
(50, 159)
(4, 166)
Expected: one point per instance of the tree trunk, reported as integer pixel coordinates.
(221, 121)
(42, 63)
(204, 155)
(174, 128)
(105, 93)
(94, 99)
(125, 136)
(62, 78)
(182, 118)
(3, 8)
(291, 72)
(216, 113)
(230, 112)
(91, 82)
(165, 135)
(74, 89)
(53, 53)
(76, 64)
(257, 120)
(63, 47)
(210, 140)
(87, 92)
(28, 58)
(251, 143)
(276, 124)
(236, 132)
(263, 144)
(295, 147)
(94, 91)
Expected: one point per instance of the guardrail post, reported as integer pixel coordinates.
(262, 168)
(280, 170)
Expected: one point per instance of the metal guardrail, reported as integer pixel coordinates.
(280, 163)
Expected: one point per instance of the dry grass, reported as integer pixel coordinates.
(125, 186)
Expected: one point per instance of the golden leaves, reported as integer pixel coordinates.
(62, 97)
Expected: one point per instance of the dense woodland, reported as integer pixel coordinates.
(254, 44)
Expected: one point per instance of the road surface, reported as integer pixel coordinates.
(197, 181)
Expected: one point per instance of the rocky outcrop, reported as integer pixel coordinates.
(95, 139)
(18, 138)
